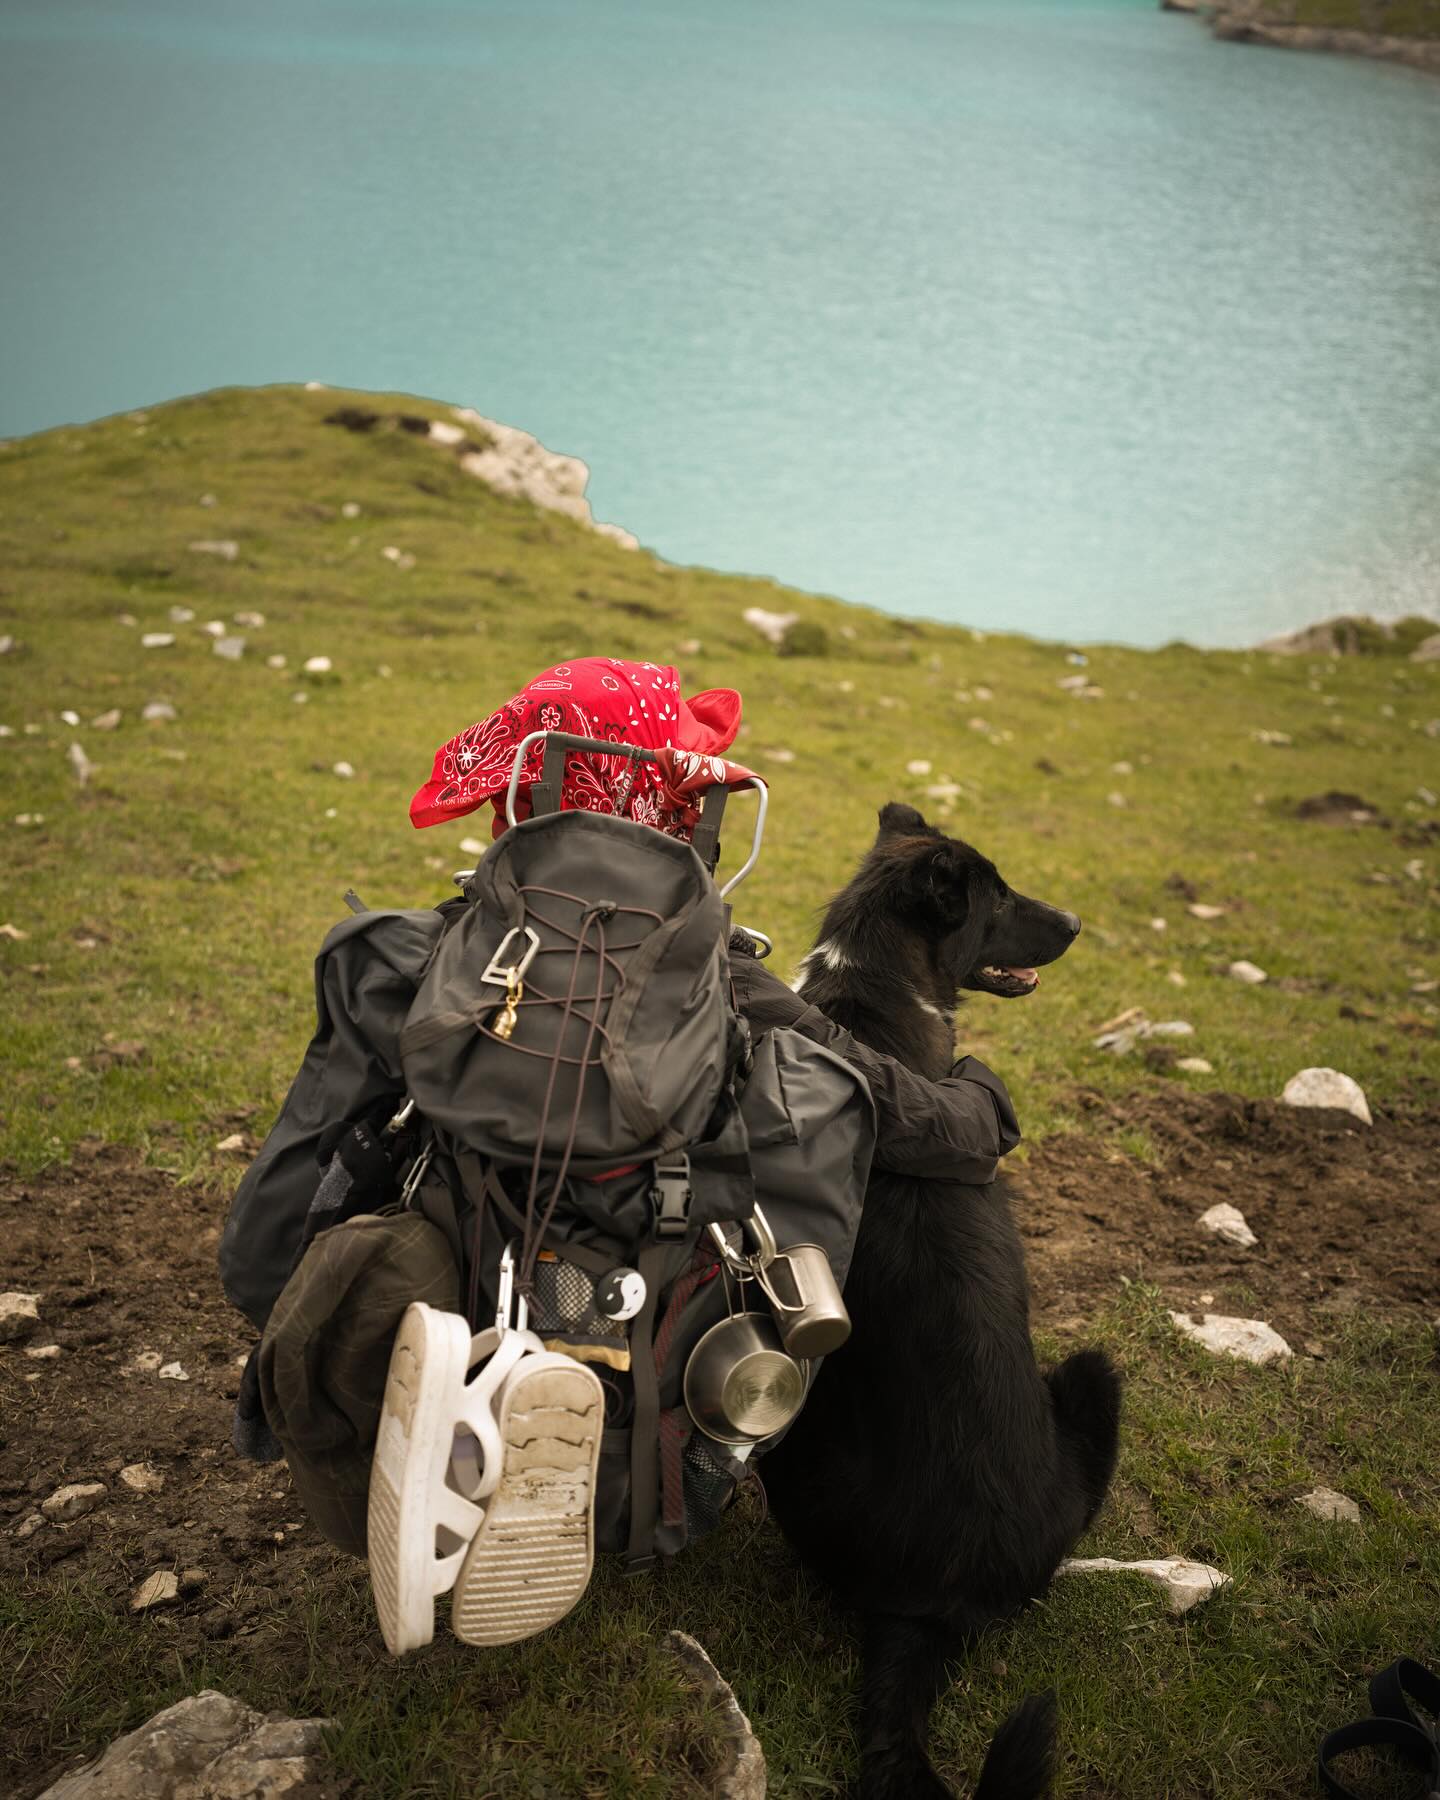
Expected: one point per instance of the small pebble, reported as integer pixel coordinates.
(142, 1478)
(277, 661)
(1325, 1503)
(157, 640)
(318, 665)
(1195, 1065)
(344, 770)
(43, 1352)
(158, 1589)
(72, 1501)
(1247, 972)
(158, 710)
(172, 1371)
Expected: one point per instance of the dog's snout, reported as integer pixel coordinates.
(1071, 922)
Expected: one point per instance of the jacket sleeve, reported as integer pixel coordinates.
(956, 1129)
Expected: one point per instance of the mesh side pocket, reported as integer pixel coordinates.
(709, 1483)
(564, 1304)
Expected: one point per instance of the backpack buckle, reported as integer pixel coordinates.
(670, 1195)
(506, 975)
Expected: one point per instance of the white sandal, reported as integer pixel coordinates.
(419, 1524)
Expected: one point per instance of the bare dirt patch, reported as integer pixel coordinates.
(1347, 1215)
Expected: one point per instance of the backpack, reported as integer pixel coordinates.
(551, 1070)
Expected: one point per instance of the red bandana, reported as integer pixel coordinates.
(598, 697)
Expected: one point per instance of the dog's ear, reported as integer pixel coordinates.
(899, 820)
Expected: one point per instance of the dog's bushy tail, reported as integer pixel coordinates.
(904, 1672)
(1020, 1764)
(1085, 1393)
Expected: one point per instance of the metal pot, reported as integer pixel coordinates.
(740, 1386)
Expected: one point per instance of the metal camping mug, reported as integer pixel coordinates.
(740, 1385)
(801, 1286)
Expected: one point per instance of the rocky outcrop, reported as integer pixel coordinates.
(743, 1776)
(1354, 634)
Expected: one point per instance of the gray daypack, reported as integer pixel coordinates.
(551, 1070)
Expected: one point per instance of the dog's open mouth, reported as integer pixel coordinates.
(1007, 984)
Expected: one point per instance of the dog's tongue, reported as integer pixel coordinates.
(1028, 975)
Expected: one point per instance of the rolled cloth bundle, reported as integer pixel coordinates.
(596, 697)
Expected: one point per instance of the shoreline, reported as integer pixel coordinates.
(1244, 24)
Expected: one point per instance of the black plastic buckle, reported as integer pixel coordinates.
(670, 1195)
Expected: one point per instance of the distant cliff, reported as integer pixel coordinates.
(1402, 31)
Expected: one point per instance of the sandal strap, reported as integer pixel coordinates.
(1392, 1690)
(1414, 1746)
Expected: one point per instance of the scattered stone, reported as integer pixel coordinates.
(7, 731)
(127, 619)
(43, 1352)
(69, 717)
(13, 933)
(1172, 1028)
(1272, 737)
(1327, 1087)
(236, 1141)
(402, 559)
(471, 847)
(72, 1501)
(1073, 684)
(192, 1580)
(1201, 909)
(172, 1371)
(781, 756)
(1117, 799)
(142, 1478)
(208, 500)
(29, 818)
(158, 1589)
(1183, 1583)
(350, 510)
(770, 625)
(1158, 924)
(157, 640)
(1325, 1503)
(181, 615)
(1122, 768)
(1251, 1340)
(344, 770)
(947, 792)
(1195, 1065)
(225, 548)
(1247, 972)
(689, 647)
(300, 697)
(209, 1747)
(144, 1362)
(7, 644)
(106, 721)
(318, 665)
(449, 435)
(19, 1315)
(918, 767)
(214, 628)
(158, 711)
(252, 621)
(1415, 869)
(231, 648)
(80, 763)
(1428, 649)
(743, 1776)
(1228, 1222)
(29, 1525)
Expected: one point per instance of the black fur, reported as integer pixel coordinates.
(935, 1478)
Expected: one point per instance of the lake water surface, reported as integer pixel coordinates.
(1058, 317)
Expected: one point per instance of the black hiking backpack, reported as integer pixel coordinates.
(550, 1068)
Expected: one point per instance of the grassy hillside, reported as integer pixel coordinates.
(156, 994)
(177, 898)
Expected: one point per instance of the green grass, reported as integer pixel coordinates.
(203, 864)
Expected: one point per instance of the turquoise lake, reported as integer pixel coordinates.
(1061, 318)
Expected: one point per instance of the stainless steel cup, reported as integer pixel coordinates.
(802, 1289)
(740, 1385)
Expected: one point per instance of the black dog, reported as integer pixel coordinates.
(935, 1479)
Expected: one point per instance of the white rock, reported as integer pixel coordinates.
(127, 619)
(1171, 1028)
(1122, 768)
(172, 1371)
(236, 1141)
(770, 625)
(1175, 978)
(158, 710)
(1325, 1503)
(350, 510)
(301, 699)
(450, 435)
(277, 661)
(918, 767)
(983, 693)
(13, 933)
(1195, 1065)
(7, 731)
(1117, 799)
(1247, 972)
(231, 648)
(29, 1525)
(157, 640)
(225, 548)
(252, 621)
(1249, 1339)
(781, 756)
(332, 812)
(214, 628)
(19, 1313)
(181, 615)
(318, 665)
(70, 717)
(43, 1352)
(208, 500)
(1072, 684)
(742, 1775)
(142, 1478)
(1183, 1583)
(1201, 909)
(1159, 925)
(689, 647)
(945, 791)
(344, 770)
(1228, 1222)
(1327, 1087)
(158, 1589)
(1272, 737)
(402, 559)
(7, 644)
(72, 1501)
(106, 721)
(471, 847)
(80, 763)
